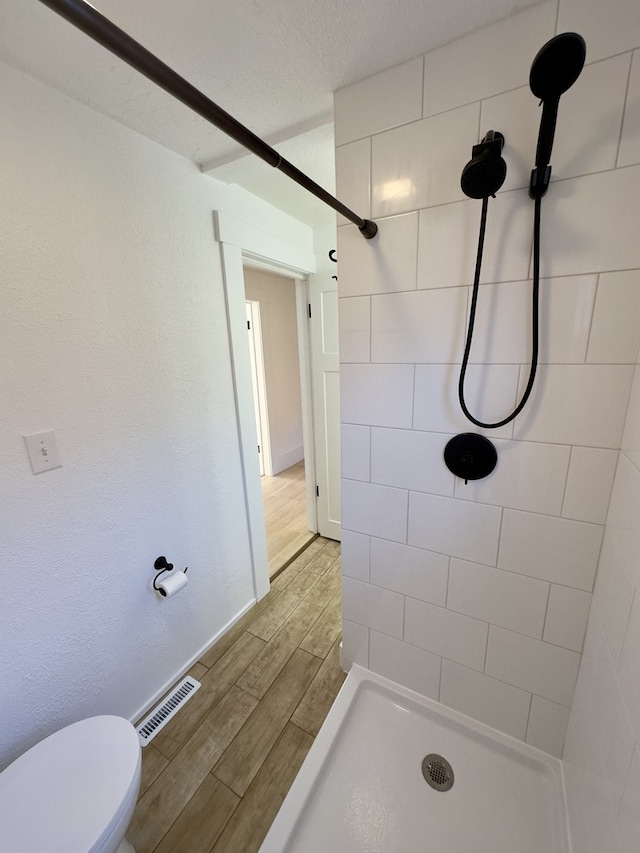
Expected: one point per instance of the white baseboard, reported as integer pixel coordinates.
(282, 461)
(184, 669)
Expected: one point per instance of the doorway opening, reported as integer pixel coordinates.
(276, 368)
(245, 244)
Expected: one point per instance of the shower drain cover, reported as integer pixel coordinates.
(437, 772)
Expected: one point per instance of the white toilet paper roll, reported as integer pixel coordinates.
(171, 583)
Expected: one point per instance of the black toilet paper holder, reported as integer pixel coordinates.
(161, 566)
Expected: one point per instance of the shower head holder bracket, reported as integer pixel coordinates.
(540, 180)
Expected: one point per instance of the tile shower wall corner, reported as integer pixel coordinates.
(478, 595)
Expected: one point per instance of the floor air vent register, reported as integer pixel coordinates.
(168, 708)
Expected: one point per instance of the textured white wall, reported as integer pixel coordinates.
(478, 595)
(277, 298)
(114, 334)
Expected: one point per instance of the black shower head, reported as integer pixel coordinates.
(557, 66)
(555, 69)
(484, 174)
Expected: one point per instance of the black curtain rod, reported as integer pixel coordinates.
(99, 28)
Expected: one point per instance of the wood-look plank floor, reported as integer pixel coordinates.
(285, 511)
(214, 778)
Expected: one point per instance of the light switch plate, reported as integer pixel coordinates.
(43, 451)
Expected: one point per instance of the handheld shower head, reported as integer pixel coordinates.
(484, 174)
(555, 69)
(557, 66)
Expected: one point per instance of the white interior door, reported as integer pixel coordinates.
(326, 402)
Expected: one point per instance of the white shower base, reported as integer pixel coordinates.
(361, 789)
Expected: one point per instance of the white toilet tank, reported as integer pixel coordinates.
(73, 792)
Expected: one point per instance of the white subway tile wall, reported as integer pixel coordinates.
(440, 630)
(355, 550)
(493, 702)
(408, 665)
(607, 29)
(410, 460)
(577, 404)
(353, 172)
(549, 548)
(567, 616)
(495, 53)
(386, 265)
(458, 528)
(413, 571)
(591, 473)
(502, 598)
(355, 445)
(528, 476)
(436, 406)
(379, 102)
(377, 394)
(376, 510)
(615, 332)
(547, 725)
(355, 644)
(541, 668)
(491, 583)
(411, 327)
(370, 605)
(441, 264)
(355, 329)
(410, 164)
(503, 321)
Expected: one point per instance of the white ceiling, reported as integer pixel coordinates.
(272, 64)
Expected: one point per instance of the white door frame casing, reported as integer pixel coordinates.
(259, 385)
(240, 244)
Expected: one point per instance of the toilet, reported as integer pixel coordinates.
(74, 792)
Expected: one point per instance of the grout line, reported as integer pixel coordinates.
(502, 509)
(624, 109)
(566, 482)
(446, 599)
(486, 650)
(370, 176)
(413, 398)
(592, 319)
(370, 298)
(546, 612)
(526, 731)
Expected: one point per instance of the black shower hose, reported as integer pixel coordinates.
(535, 310)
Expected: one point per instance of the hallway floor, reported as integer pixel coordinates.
(214, 778)
(285, 513)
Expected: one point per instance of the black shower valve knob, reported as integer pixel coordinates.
(466, 466)
(470, 456)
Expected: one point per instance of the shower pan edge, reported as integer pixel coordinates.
(361, 787)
